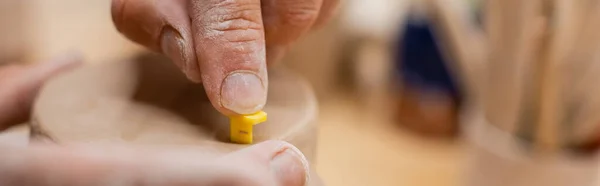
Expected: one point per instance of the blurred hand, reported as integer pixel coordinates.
(272, 163)
(225, 44)
(19, 85)
(269, 163)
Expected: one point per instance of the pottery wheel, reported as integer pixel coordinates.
(147, 100)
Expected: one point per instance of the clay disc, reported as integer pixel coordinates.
(148, 101)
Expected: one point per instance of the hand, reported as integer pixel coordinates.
(225, 44)
(269, 163)
(19, 85)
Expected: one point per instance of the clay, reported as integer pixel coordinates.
(148, 101)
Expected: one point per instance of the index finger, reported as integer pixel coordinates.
(19, 86)
(230, 46)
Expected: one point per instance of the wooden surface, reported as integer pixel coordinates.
(148, 101)
(360, 147)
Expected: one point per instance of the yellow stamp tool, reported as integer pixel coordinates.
(241, 126)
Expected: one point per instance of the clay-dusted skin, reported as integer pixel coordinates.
(148, 101)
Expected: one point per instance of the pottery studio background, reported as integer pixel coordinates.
(390, 77)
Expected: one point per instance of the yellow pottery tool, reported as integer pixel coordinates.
(241, 126)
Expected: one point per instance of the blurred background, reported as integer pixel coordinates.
(394, 79)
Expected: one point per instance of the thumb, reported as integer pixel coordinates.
(265, 164)
(284, 162)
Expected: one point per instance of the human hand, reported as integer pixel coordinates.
(269, 163)
(225, 44)
(19, 85)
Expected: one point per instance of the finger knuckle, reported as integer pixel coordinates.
(229, 15)
(299, 13)
(235, 21)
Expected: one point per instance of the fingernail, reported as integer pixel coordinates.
(290, 167)
(243, 92)
(172, 45)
